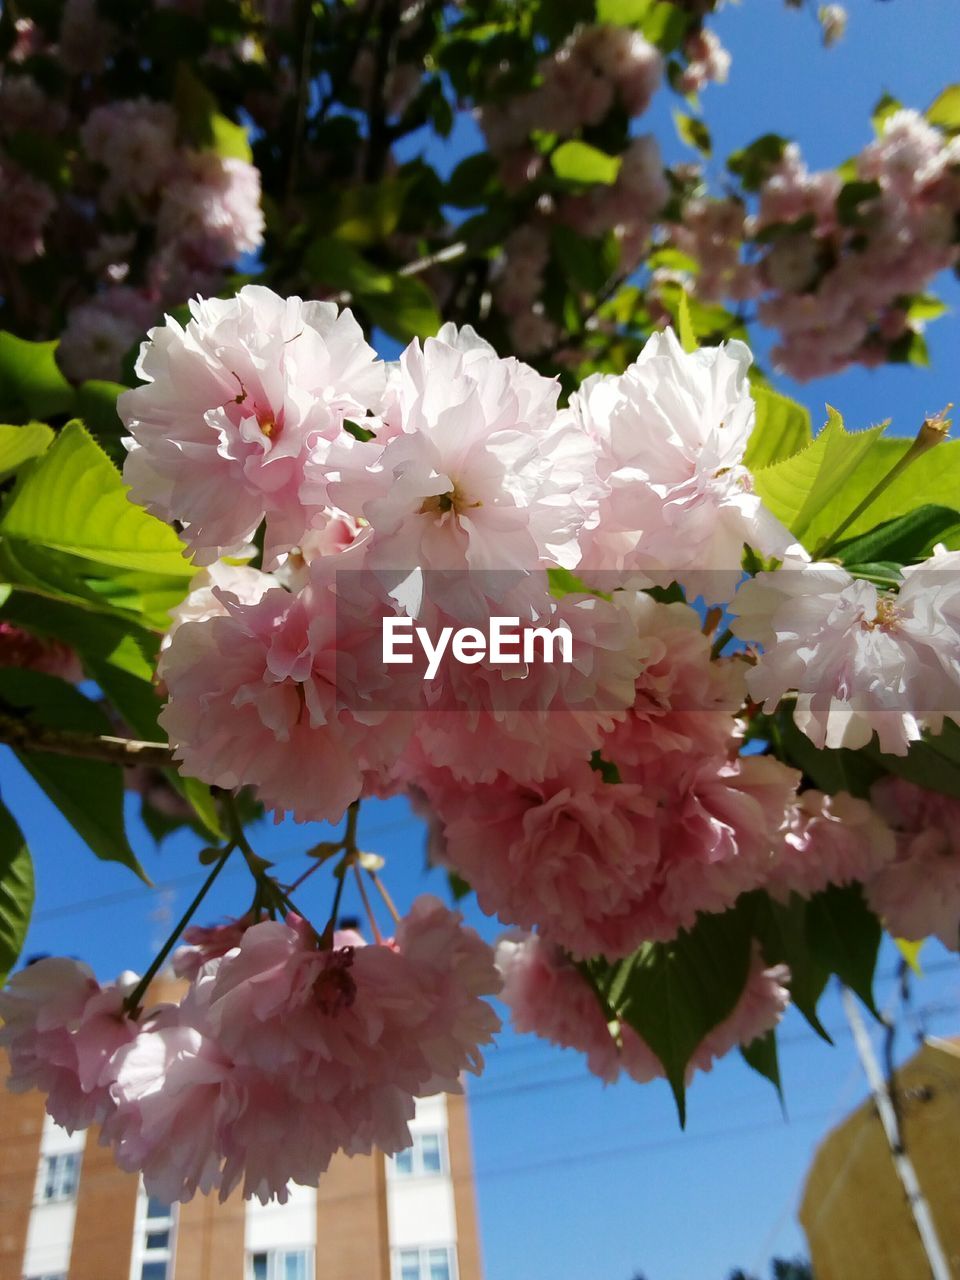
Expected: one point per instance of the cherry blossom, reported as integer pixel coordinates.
(246, 392)
(61, 1030)
(917, 893)
(860, 660)
(670, 435)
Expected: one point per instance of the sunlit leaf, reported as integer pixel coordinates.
(16, 892)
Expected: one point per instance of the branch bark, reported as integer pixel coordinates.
(23, 735)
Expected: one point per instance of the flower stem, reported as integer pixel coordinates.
(378, 937)
(932, 431)
(132, 1003)
(388, 901)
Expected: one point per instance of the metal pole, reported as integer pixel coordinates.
(919, 1208)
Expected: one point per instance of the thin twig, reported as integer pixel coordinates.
(132, 1002)
(26, 735)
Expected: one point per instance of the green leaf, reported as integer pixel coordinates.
(202, 124)
(74, 501)
(753, 164)
(901, 540)
(88, 794)
(368, 213)
(782, 931)
(19, 444)
(685, 331)
(934, 478)
(339, 265)
(607, 770)
(16, 892)
(623, 13)
(579, 162)
(97, 407)
(408, 311)
(200, 797)
(666, 25)
(845, 934)
(885, 108)
(911, 953)
(673, 993)
(910, 348)
(782, 429)
(693, 132)
(933, 763)
(797, 489)
(830, 769)
(925, 306)
(230, 140)
(852, 196)
(944, 111)
(31, 384)
(761, 1055)
(584, 261)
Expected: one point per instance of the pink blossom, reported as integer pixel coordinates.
(24, 105)
(61, 1030)
(707, 60)
(760, 1008)
(101, 332)
(135, 141)
(286, 694)
(247, 393)
(208, 589)
(174, 1092)
(684, 701)
(918, 893)
(474, 473)
(860, 660)
(215, 201)
(830, 840)
(722, 823)
(528, 721)
(549, 996)
(26, 209)
(282, 1054)
(209, 942)
(670, 434)
(567, 854)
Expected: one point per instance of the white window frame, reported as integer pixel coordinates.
(276, 1259)
(145, 1226)
(424, 1251)
(52, 1166)
(415, 1150)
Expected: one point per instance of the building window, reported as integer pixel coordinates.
(428, 1262)
(281, 1264)
(428, 1155)
(156, 1240)
(58, 1178)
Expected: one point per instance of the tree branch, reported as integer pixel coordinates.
(23, 735)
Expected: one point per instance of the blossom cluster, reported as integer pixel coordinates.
(833, 265)
(605, 802)
(281, 1052)
(599, 804)
(597, 69)
(147, 217)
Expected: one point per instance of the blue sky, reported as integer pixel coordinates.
(577, 1181)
